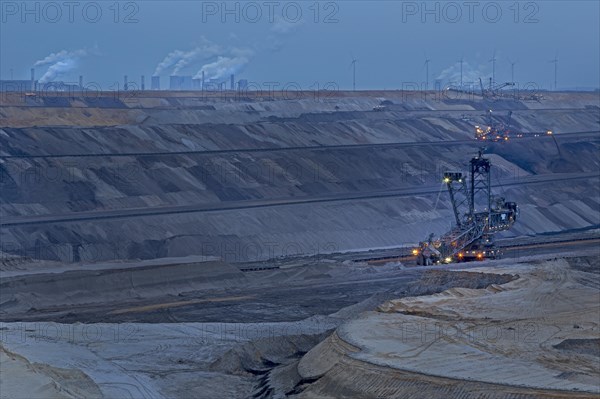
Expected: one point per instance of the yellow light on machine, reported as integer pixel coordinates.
(446, 180)
(549, 132)
(415, 252)
(448, 260)
(480, 256)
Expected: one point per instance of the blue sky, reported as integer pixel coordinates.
(271, 42)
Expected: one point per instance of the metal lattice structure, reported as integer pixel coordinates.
(478, 215)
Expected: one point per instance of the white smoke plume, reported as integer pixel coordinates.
(223, 61)
(179, 59)
(282, 26)
(280, 30)
(199, 52)
(60, 63)
(171, 59)
(223, 67)
(470, 75)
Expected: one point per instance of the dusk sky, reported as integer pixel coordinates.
(271, 41)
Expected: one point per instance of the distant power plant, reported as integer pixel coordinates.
(196, 84)
(32, 85)
(20, 85)
(155, 83)
(176, 82)
(180, 82)
(187, 82)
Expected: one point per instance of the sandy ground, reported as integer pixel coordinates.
(165, 359)
(211, 359)
(537, 335)
(147, 360)
(24, 380)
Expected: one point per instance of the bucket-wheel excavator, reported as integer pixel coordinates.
(478, 216)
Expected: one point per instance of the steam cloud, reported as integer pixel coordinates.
(470, 75)
(223, 67)
(282, 27)
(60, 63)
(223, 61)
(177, 60)
(171, 59)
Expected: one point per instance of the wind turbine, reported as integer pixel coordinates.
(461, 72)
(427, 61)
(555, 62)
(493, 61)
(353, 66)
(512, 70)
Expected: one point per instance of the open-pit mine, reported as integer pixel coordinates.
(351, 244)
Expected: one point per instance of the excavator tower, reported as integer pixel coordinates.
(478, 216)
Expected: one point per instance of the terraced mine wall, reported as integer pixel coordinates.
(166, 175)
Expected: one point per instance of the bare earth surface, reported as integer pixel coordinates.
(521, 329)
(537, 335)
(179, 246)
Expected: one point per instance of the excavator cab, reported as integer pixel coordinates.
(514, 210)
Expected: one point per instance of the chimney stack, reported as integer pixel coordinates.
(232, 83)
(81, 82)
(125, 83)
(143, 83)
(32, 79)
(202, 80)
